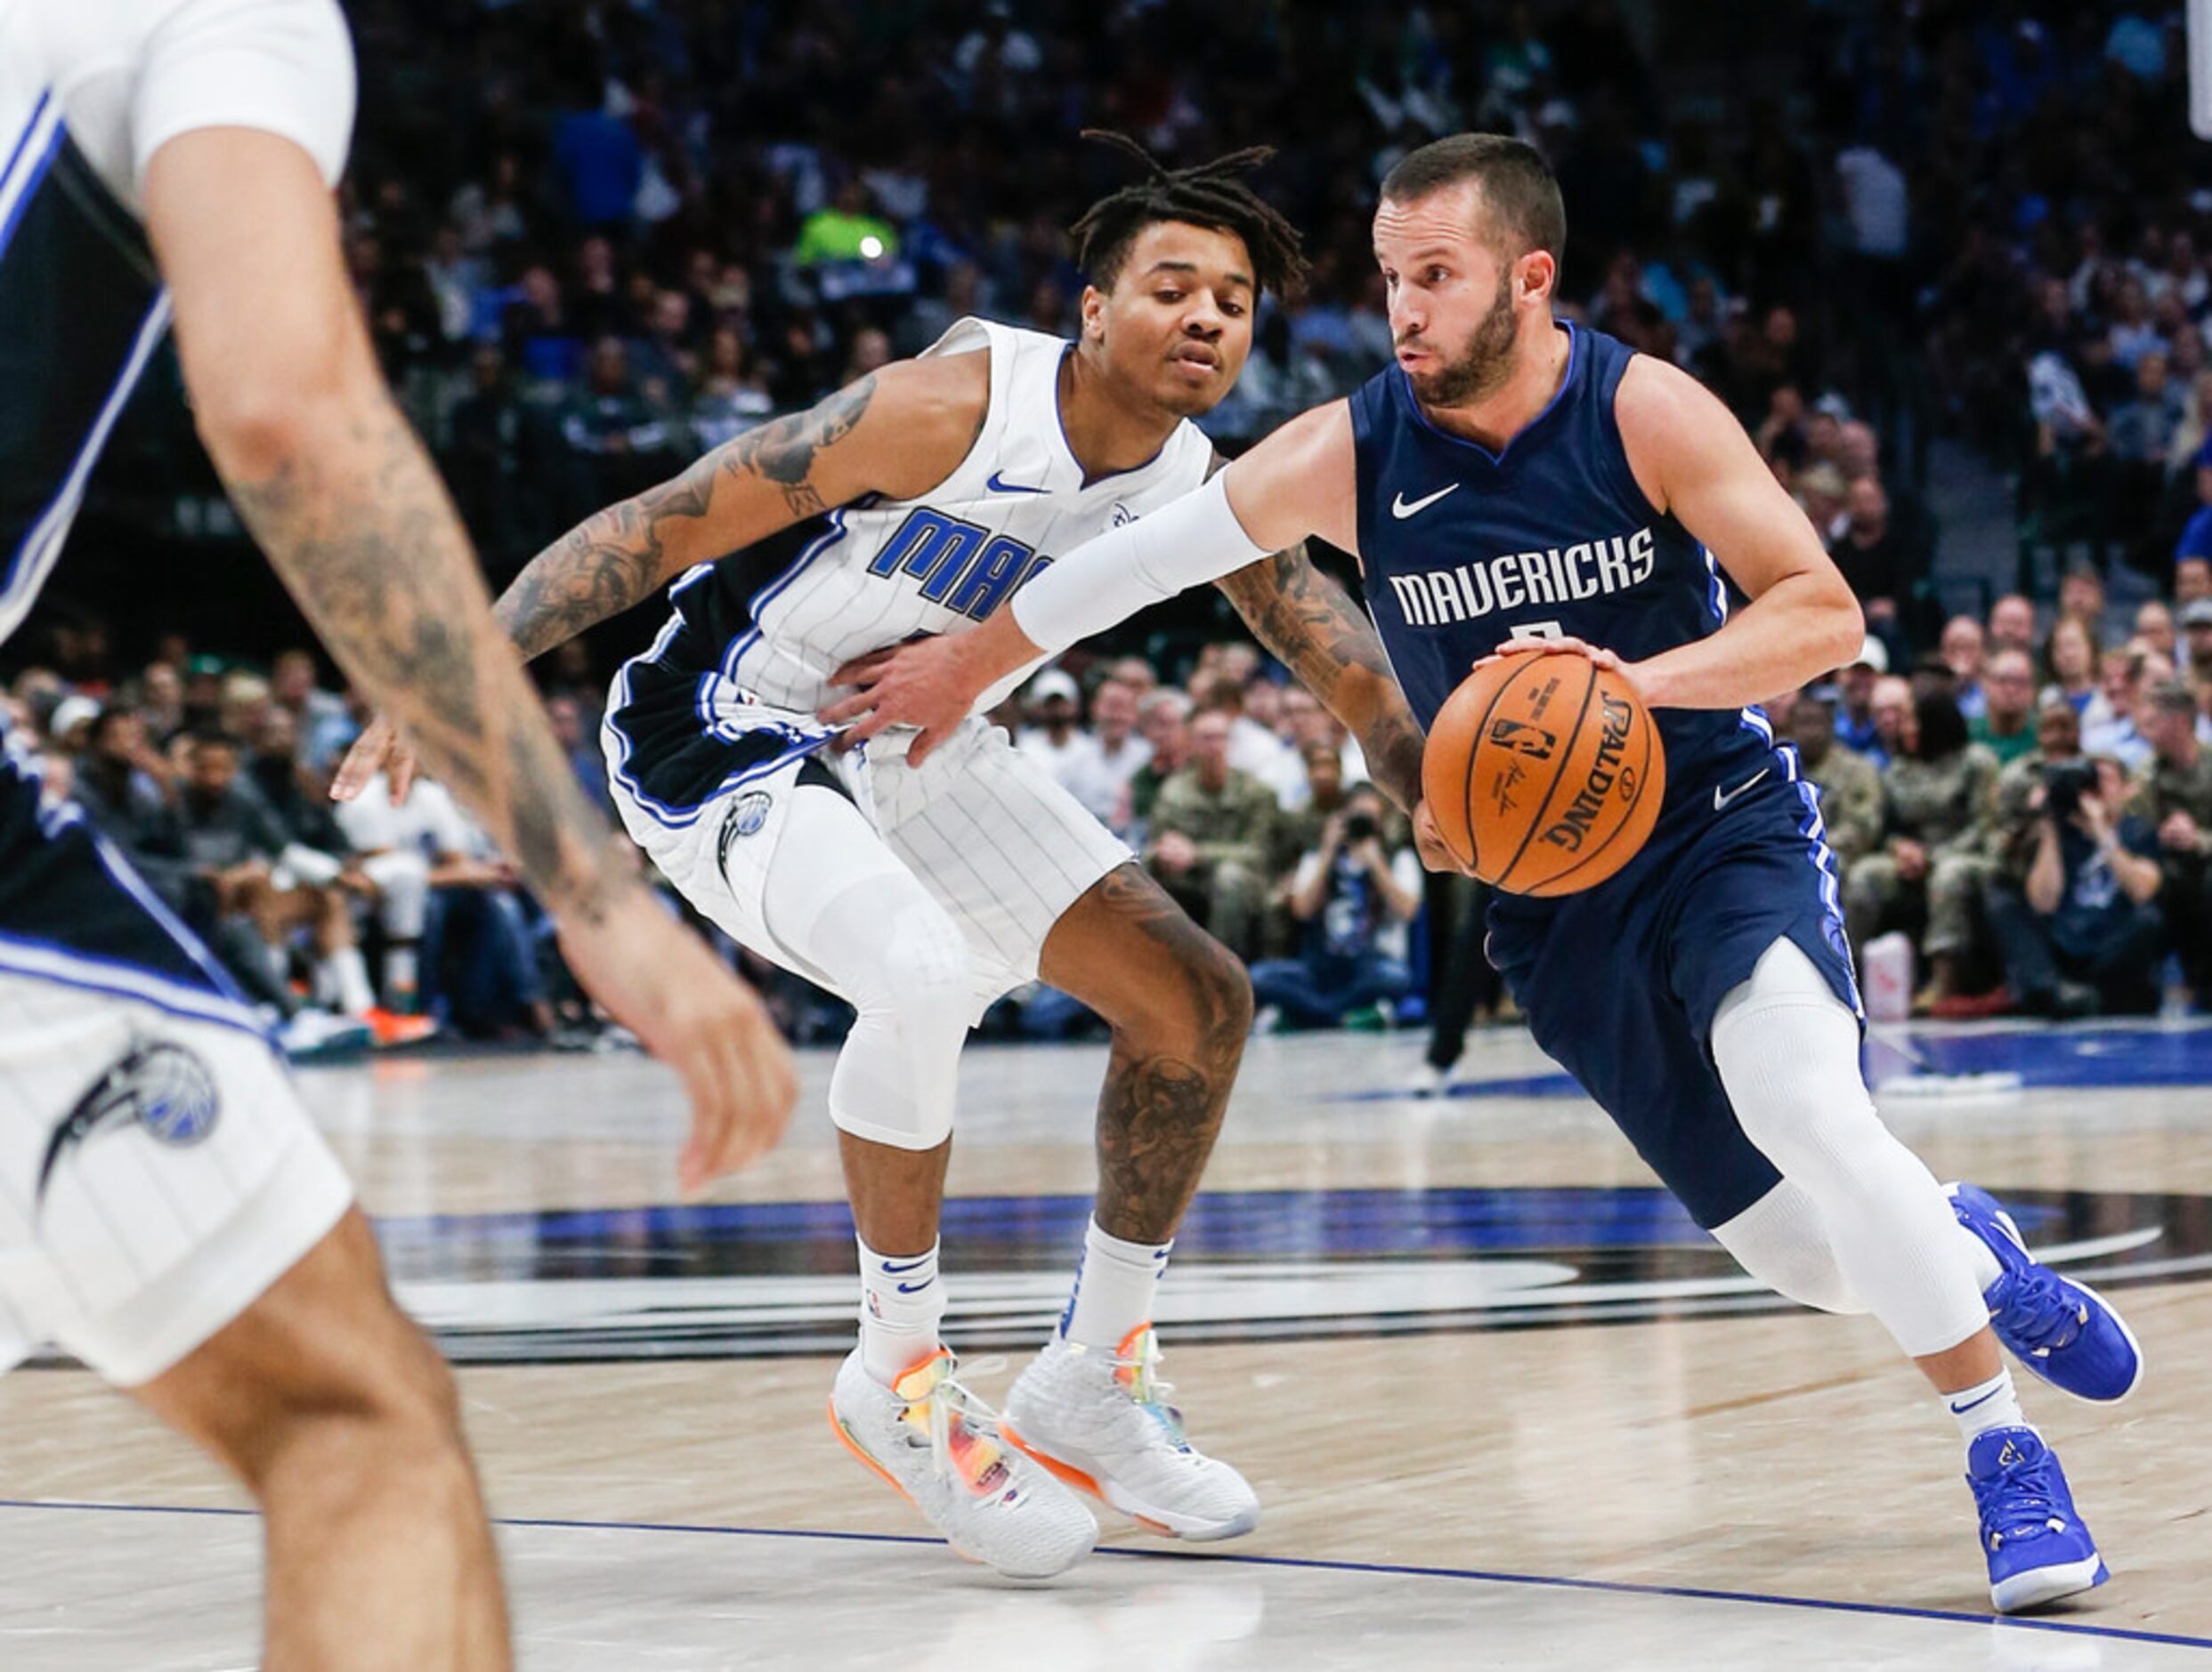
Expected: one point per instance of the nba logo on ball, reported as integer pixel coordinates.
(1543, 773)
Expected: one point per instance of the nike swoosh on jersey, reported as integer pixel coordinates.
(1721, 799)
(996, 486)
(1401, 509)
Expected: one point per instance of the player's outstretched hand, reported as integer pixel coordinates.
(1430, 843)
(378, 749)
(926, 684)
(659, 981)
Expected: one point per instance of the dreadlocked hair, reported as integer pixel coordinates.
(1210, 194)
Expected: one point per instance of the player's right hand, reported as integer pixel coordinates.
(659, 981)
(1429, 842)
(378, 749)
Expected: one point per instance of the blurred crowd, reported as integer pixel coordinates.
(2022, 818)
(595, 240)
(370, 923)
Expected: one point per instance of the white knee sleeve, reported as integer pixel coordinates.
(842, 902)
(1780, 1240)
(1787, 1050)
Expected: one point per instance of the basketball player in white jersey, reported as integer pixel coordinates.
(920, 896)
(168, 1213)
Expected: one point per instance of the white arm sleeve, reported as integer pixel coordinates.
(1109, 579)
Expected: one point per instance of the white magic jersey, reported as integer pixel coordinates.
(880, 571)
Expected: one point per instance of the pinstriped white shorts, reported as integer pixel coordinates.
(990, 835)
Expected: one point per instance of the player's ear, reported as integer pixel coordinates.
(1537, 272)
(1094, 314)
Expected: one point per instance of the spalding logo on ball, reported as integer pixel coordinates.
(1544, 773)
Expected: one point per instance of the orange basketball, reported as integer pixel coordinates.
(1544, 773)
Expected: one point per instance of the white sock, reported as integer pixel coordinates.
(348, 979)
(1114, 1285)
(1986, 1405)
(901, 1304)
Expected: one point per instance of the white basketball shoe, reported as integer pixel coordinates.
(935, 1442)
(1101, 1421)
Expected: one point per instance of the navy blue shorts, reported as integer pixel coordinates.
(1619, 984)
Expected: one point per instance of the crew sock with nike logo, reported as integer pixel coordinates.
(1986, 1405)
(902, 1304)
(1114, 1286)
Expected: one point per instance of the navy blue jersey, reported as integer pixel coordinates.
(1464, 548)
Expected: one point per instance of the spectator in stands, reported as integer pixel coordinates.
(2154, 632)
(323, 726)
(451, 913)
(580, 743)
(1163, 722)
(1353, 897)
(2012, 624)
(2195, 618)
(1054, 737)
(121, 781)
(2125, 676)
(1211, 829)
(2075, 913)
(2081, 595)
(2007, 727)
(1938, 794)
(241, 855)
(1962, 647)
(1101, 780)
(2173, 797)
(2069, 664)
(1854, 720)
(1874, 559)
(1850, 784)
(1892, 706)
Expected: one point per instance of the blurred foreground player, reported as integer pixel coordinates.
(1517, 483)
(168, 1213)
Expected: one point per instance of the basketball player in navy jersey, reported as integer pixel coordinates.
(1515, 483)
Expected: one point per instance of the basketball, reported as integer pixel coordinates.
(1544, 773)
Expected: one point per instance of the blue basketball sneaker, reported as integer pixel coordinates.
(2064, 1331)
(2037, 1548)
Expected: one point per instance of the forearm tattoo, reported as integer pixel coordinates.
(1308, 621)
(361, 531)
(615, 558)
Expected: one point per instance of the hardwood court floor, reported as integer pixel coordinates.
(1648, 1420)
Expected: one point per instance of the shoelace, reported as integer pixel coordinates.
(2024, 1496)
(1146, 1386)
(952, 1396)
(2033, 1308)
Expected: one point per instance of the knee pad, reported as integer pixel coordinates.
(1787, 1052)
(1780, 1240)
(896, 1075)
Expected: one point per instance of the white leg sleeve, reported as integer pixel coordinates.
(1780, 1240)
(839, 900)
(1789, 1054)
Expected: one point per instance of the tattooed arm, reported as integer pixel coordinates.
(898, 432)
(1320, 635)
(340, 495)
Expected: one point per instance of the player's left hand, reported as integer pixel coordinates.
(926, 685)
(1428, 843)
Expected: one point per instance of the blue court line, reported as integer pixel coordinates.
(1620, 1587)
